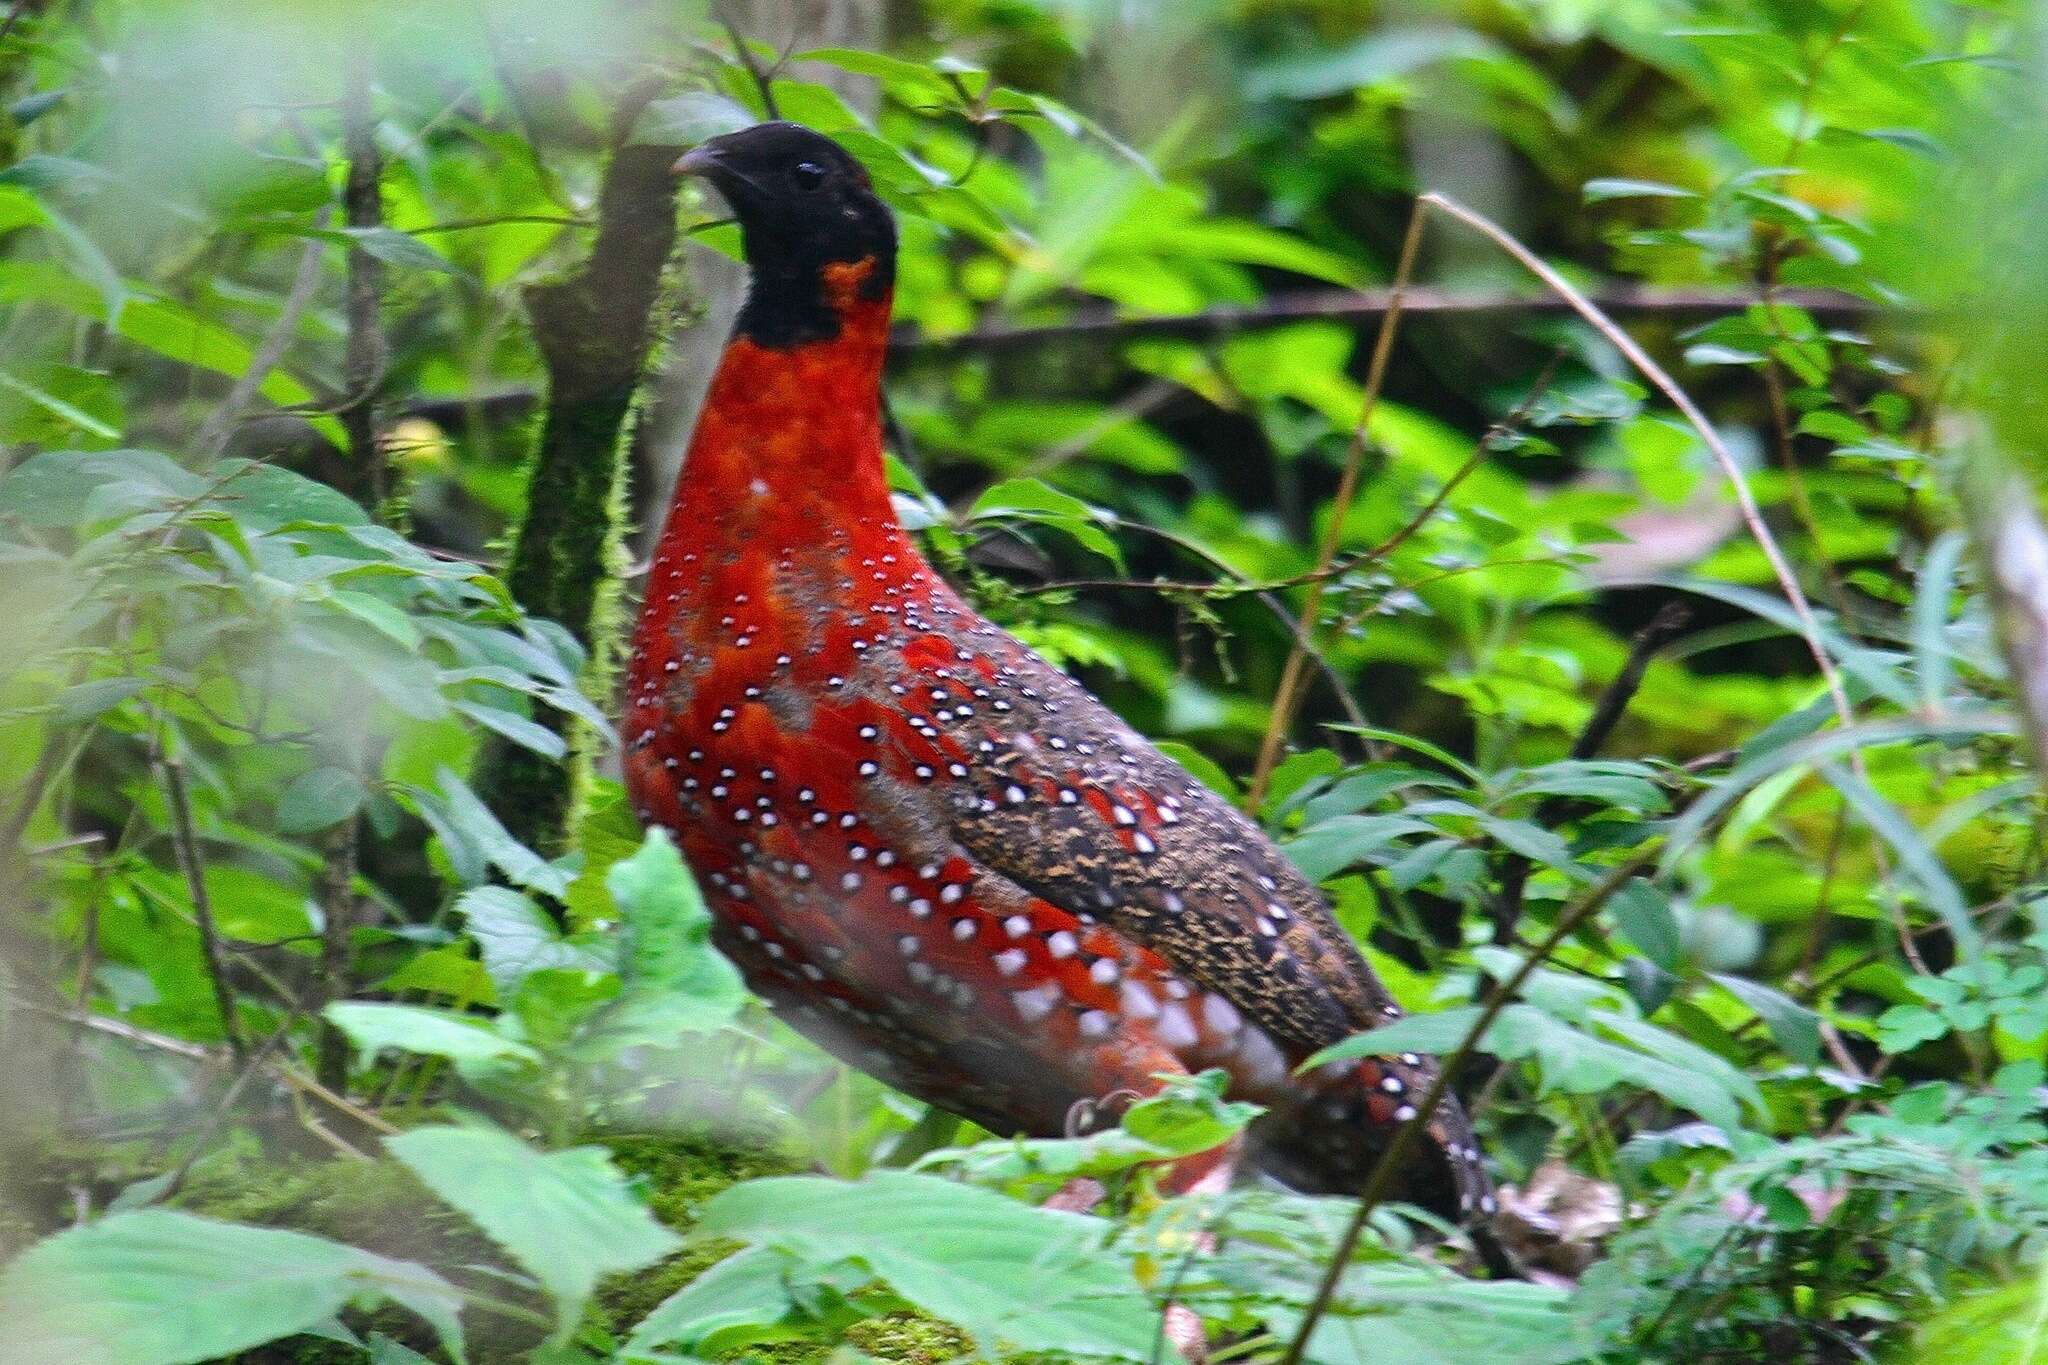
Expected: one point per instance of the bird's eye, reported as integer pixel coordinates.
(807, 174)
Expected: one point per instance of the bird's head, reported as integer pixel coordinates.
(815, 234)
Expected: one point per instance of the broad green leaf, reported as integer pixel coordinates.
(397, 248)
(1418, 745)
(1643, 914)
(159, 1287)
(374, 1025)
(567, 1217)
(1796, 1028)
(526, 733)
(674, 980)
(516, 938)
(1385, 55)
(1342, 840)
(1599, 191)
(1570, 1059)
(1001, 1271)
(1036, 501)
(62, 488)
(167, 328)
(319, 799)
(470, 816)
(50, 402)
(749, 1288)
(1937, 887)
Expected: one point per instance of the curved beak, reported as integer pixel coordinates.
(700, 160)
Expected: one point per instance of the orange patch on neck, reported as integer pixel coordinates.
(843, 281)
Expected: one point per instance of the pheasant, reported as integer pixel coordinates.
(926, 848)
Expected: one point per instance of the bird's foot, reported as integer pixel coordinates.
(1077, 1196)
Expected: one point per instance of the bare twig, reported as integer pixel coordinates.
(1382, 1177)
(1752, 515)
(1287, 696)
(118, 1028)
(1664, 627)
(220, 423)
(335, 892)
(187, 847)
(745, 56)
(1362, 304)
(224, 1108)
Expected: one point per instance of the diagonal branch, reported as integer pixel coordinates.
(1383, 1171)
(1287, 696)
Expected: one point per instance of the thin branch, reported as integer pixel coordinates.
(1664, 627)
(1287, 696)
(118, 1028)
(1752, 515)
(367, 353)
(224, 1108)
(335, 893)
(1100, 321)
(187, 846)
(745, 56)
(220, 423)
(469, 224)
(1390, 1160)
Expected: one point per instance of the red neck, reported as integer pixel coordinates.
(789, 440)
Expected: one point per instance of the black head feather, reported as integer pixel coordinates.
(802, 203)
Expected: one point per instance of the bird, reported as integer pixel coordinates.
(926, 848)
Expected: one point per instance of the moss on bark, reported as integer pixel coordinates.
(595, 330)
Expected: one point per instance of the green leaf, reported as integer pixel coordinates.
(397, 248)
(267, 497)
(374, 1026)
(1342, 840)
(468, 814)
(516, 938)
(1384, 56)
(51, 403)
(62, 488)
(526, 733)
(1796, 1028)
(387, 620)
(1036, 501)
(169, 329)
(674, 980)
(567, 1217)
(1931, 595)
(1599, 191)
(1001, 1271)
(1568, 1058)
(90, 700)
(1418, 745)
(749, 1288)
(158, 1287)
(1643, 914)
(320, 799)
(1936, 886)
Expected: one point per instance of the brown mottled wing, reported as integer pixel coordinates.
(1085, 813)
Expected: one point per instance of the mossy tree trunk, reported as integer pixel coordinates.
(595, 330)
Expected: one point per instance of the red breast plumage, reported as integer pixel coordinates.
(926, 848)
